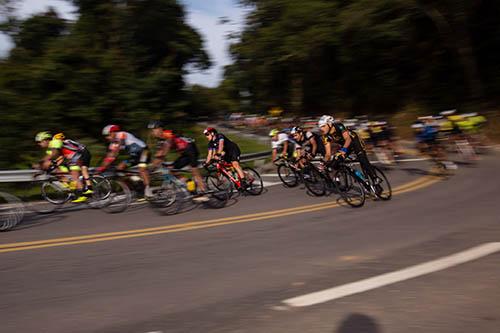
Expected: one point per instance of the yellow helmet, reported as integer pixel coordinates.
(59, 136)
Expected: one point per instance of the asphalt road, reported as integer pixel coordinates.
(231, 270)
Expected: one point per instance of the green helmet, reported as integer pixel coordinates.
(273, 132)
(43, 136)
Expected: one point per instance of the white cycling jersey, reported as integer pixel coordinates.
(282, 138)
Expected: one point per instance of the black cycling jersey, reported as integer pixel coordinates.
(305, 143)
(337, 136)
(231, 149)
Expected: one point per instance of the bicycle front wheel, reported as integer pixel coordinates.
(220, 183)
(288, 176)
(314, 181)
(254, 181)
(349, 187)
(381, 185)
(119, 198)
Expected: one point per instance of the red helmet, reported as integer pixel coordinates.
(210, 130)
(110, 129)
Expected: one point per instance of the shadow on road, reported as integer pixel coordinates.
(358, 323)
(32, 221)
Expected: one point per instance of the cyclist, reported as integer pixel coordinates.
(336, 133)
(309, 144)
(281, 144)
(220, 147)
(427, 137)
(135, 148)
(185, 147)
(66, 153)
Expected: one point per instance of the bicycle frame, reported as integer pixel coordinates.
(224, 167)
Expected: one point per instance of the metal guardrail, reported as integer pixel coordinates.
(19, 176)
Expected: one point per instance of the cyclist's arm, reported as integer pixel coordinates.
(285, 148)
(210, 155)
(328, 151)
(314, 146)
(348, 141)
(161, 153)
(113, 151)
(221, 147)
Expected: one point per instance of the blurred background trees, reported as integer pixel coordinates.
(125, 60)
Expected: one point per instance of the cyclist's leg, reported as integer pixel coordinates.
(193, 155)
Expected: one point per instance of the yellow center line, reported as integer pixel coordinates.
(93, 238)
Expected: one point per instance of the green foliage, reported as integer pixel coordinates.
(120, 61)
(365, 56)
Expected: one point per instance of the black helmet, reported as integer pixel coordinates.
(155, 124)
(296, 129)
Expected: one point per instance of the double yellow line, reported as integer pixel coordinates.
(102, 237)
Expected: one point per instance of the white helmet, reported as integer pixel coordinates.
(325, 120)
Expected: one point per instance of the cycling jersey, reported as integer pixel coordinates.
(179, 143)
(282, 138)
(126, 141)
(306, 144)
(337, 136)
(427, 135)
(231, 149)
(136, 148)
(74, 153)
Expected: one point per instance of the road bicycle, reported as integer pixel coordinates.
(57, 188)
(170, 193)
(223, 176)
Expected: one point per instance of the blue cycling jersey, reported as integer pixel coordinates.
(428, 133)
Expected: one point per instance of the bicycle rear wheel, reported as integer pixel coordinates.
(12, 211)
(254, 181)
(349, 187)
(287, 175)
(383, 189)
(314, 181)
(54, 192)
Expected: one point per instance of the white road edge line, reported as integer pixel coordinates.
(393, 277)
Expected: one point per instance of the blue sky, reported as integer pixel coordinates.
(202, 14)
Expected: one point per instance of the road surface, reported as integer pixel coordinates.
(248, 267)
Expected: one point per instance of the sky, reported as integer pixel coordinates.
(203, 15)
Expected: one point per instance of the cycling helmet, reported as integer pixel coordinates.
(59, 136)
(274, 132)
(42, 136)
(110, 129)
(325, 120)
(210, 130)
(155, 124)
(296, 129)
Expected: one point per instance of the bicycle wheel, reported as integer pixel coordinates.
(254, 181)
(383, 189)
(287, 175)
(35, 201)
(219, 182)
(54, 192)
(12, 211)
(102, 190)
(314, 181)
(349, 187)
(169, 198)
(119, 198)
